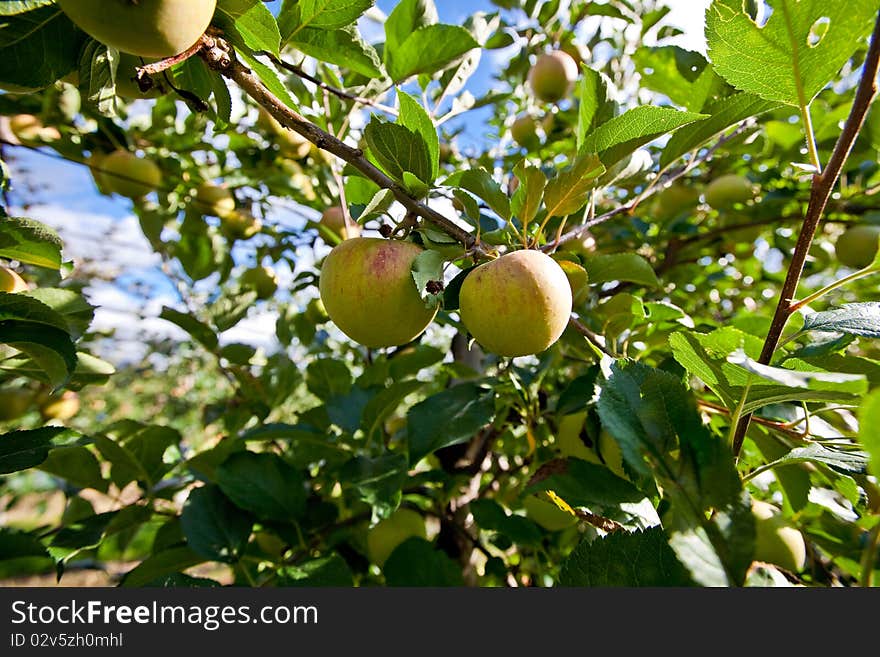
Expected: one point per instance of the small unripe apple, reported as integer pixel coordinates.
(262, 280)
(386, 535)
(131, 176)
(214, 200)
(583, 246)
(315, 312)
(857, 247)
(524, 131)
(729, 189)
(60, 408)
(675, 199)
(553, 76)
(367, 288)
(14, 403)
(10, 281)
(126, 79)
(29, 129)
(334, 219)
(240, 225)
(776, 540)
(516, 305)
(548, 515)
(149, 28)
(95, 163)
(291, 144)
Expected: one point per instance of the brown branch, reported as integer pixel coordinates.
(822, 186)
(219, 57)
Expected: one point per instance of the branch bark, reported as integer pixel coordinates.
(220, 57)
(822, 186)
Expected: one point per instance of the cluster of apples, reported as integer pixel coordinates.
(550, 79)
(516, 305)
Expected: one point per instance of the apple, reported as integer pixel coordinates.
(214, 200)
(582, 246)
(29, 129)
(148, 28)
(547, 514)
(126, 79)
(240, 225)
(334, 219)
(290, 143)
(260, 279)
(10, 281)
(728, 190)
(128, 175)
(516, 305)
(857, 247)
(525, 131)
(552, 76)
(777, 541)
(95, 163)
(14, 403)
(315, 312)
(386, 535)
(61, 408)
(368, 291)
(674, 200)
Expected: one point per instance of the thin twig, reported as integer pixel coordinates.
(822, 186)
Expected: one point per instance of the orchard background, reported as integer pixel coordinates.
(178, 409)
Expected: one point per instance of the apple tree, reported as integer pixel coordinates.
(606, 314)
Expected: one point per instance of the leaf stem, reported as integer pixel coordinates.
(806, 301)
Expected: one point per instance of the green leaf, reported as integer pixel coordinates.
(844, 462)
(407, 17)
(528, 196)
(793, 56)
(414, 117)
(263, 484)
(214, 527)
(491, 516)
(683, 75)
(597, 106)
(326, 571)
(267, 75)
(569, 190)
(415, 562)
(20, 450)
(480, 183)
(585, 484)
(622, 135)
(862, 319)
(75, 310)
(202, 333)
(77, 465)
(321, 14)
(661, 435)
(812, 380)
(327, 377)
(641, 558)
(398, 149)
(869, 420)
(428, 50)
(30, 242)
(378, 205)
(378, 481)
(427, 267)
(38, 44)
(136, 451)
(628, 267)
(383, 405)
(448, 418)
(252, 20)
(161, 564)
(343, 47)
(723, 114)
